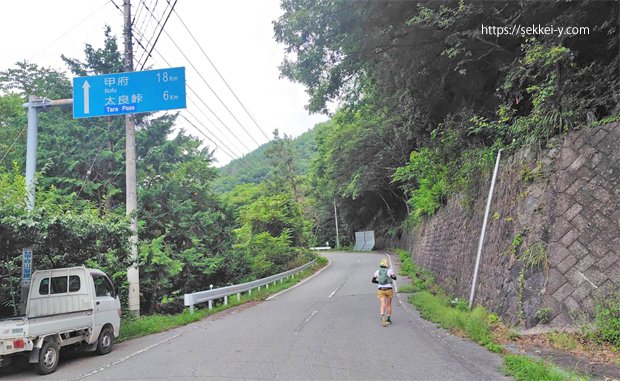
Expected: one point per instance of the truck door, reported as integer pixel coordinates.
(106, 302)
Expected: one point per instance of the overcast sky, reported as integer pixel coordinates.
(237, 35)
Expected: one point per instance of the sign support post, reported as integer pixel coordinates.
(33, 105)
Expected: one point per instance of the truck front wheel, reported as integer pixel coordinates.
(48, 358)
(105, 342)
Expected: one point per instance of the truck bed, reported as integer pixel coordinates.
(23, 327)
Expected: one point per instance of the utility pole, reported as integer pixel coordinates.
(336, 217)
(133, 275)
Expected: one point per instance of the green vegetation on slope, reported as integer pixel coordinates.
(255, 167)
(452, 313)
(190, 236)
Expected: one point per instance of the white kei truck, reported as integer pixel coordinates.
(74, 306)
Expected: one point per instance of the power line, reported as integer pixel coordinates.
(209, 86)
(207, 106)
(227, 152)
(213, 124)
(219, 74)
(191, 90)
(218, 118)
(224, 148)
(148, 42)
(13, 143)
(67, 32)
(160, 30)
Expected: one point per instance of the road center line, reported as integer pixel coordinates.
(345, 279)
(127, 357)
(306, 321)
(300, 283)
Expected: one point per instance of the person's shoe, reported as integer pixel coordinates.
(384, 321)
(389, 320)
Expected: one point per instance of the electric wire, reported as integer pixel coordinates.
(12, 145)
(229, 150)
(161, 30)
(225, 151)
(207, 107)
(220, 75)
(68, 31)
(146, 22)
(192, 91)
(227, 136)
(209, 86)
(233, 157)
(154, 33)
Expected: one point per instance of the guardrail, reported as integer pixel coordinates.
(224, 292)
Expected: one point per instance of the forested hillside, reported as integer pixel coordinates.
(429, 96)
(256, 167)
(189, 236)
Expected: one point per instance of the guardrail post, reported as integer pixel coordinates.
(211, 301)
(281, 280)
(238, 296)
(250, 292)
(267, 286)
(226, 300)
(191, 309)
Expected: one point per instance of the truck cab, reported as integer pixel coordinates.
(69, 306)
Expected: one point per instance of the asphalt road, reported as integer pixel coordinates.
(327, 328)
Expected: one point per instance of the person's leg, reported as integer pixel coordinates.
(388, 307)
(382, 305)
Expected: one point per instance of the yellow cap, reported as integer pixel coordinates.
(383, 263)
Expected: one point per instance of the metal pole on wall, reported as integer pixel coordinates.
(336, 217)
(484, 230)
(133, 274)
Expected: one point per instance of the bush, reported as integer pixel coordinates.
(523, 368)
(474, 323)
(607, 320)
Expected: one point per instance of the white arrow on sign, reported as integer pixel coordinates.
(86, 87)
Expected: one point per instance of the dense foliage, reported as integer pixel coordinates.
(256, 167)
(427, 97)
(190, 237)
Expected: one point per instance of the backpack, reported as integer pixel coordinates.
(383, 277)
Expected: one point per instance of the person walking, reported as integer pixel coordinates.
(385, 277)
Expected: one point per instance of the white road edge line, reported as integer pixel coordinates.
(300, 283)
(333, 293)
(127, 357)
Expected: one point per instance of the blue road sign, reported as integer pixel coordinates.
(129, 93)
(26, 265)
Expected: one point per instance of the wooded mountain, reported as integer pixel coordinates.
(256, 167)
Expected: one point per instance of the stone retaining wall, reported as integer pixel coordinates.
(553, 240)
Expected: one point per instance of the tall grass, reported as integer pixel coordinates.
(436, 305)
(475, 323)
(523, 368)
